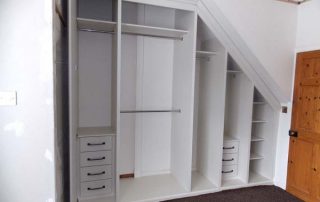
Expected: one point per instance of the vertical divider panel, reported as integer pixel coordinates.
(212, 91)
(73, 96)
(118, 11)
(240, 102)
(183, 98)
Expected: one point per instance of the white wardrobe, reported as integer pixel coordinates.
(158, 108)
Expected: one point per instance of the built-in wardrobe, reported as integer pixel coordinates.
(158, 107)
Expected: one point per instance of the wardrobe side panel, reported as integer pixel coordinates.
(211, 112)
(73, 97)
(183, 98)
(128, 87)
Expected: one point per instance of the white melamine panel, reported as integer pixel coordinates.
(96, 25)
(128, 101)
(183, 98)
(238, 118)
(95, 79)
(96, 9)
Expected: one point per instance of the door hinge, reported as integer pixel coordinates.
(293, 133)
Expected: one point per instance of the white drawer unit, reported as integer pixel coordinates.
(229, 171)
(95, 143)
(230, 159)
(96, 173)
(230, 147)
(95, 158)
(96, 188)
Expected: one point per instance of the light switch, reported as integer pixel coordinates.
(8, 98)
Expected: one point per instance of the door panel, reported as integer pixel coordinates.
(304, 155)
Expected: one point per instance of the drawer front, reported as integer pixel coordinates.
(95, 143)
(96, 173)
(230, 147)
(95, 158)
(230, 159)
(229, 171)
(96, 188)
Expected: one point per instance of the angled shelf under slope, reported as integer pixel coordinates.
(96, 25)
(254, 156)
(256, 139)
(205, 54)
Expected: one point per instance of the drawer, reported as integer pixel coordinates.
(95, 158)
(230, 147)
(96, 173)
(96, 188)
(95, 143)
(229, 171)
(230, 159)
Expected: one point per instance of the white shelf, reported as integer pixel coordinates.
(95, 131)
(229, 138)
(205, 54)
(254, 156)
(150, 188)
(256, 139)
(96, 25)
(255, 178)
(153, 31)
(234, 71)
(259, 103)
(259, 121)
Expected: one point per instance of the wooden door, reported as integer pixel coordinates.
(304, 154)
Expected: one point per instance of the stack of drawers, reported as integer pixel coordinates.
(230, 159)
(96, 166)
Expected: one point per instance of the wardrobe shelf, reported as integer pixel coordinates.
(254, 156)
(96, 25)
(234, 71)
(153, 31)
(255, 178)
(95, 131)
(205, 54)
(259, 121)
(259, 103)
(256, 139)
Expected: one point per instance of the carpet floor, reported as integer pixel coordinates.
(251, 194)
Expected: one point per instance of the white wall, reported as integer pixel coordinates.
(307, 39)
(27, 130)
(269, 30)
(308, 29)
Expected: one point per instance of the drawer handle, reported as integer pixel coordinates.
(230, 171)
(228, 147)
(98, 188)
(96, 144)
(94, 174)
(228, 159)
(96, 159)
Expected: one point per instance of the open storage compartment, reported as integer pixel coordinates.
(262, 152)
(237, 128)
(157, 82)
(210, 85)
